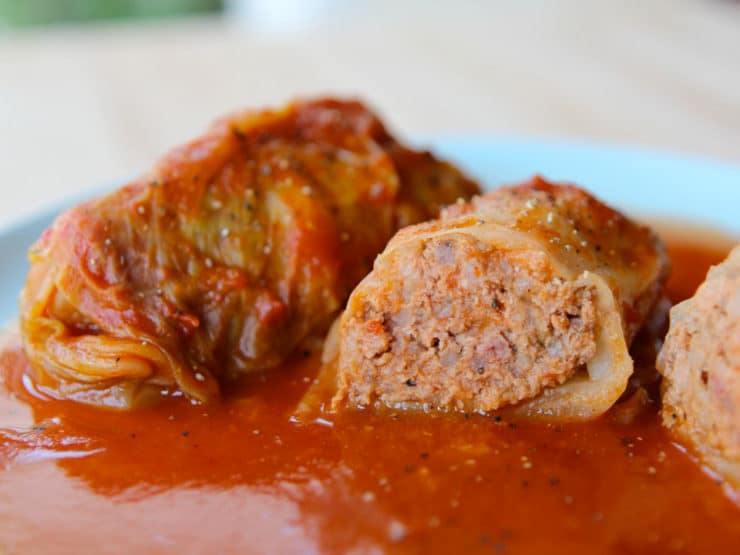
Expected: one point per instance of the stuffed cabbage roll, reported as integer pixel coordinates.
(700, 364)
(234, 249)
(524, 300)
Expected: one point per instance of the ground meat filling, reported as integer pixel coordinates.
(467, 327)
(700, 364)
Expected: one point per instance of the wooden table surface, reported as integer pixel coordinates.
(85, 107)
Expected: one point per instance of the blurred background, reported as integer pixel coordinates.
(93, 91)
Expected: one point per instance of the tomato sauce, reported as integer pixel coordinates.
(245, 476)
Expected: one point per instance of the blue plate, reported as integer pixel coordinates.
(650, 184)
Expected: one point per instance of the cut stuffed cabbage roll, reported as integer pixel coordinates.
(700, 364)
(524, 300)
(230, 253)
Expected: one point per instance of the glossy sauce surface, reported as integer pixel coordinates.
(243, 476)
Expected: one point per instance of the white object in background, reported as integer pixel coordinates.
(279, 16)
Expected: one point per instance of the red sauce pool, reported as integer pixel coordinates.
(243, 477)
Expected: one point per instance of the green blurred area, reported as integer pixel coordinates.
(40, 12)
